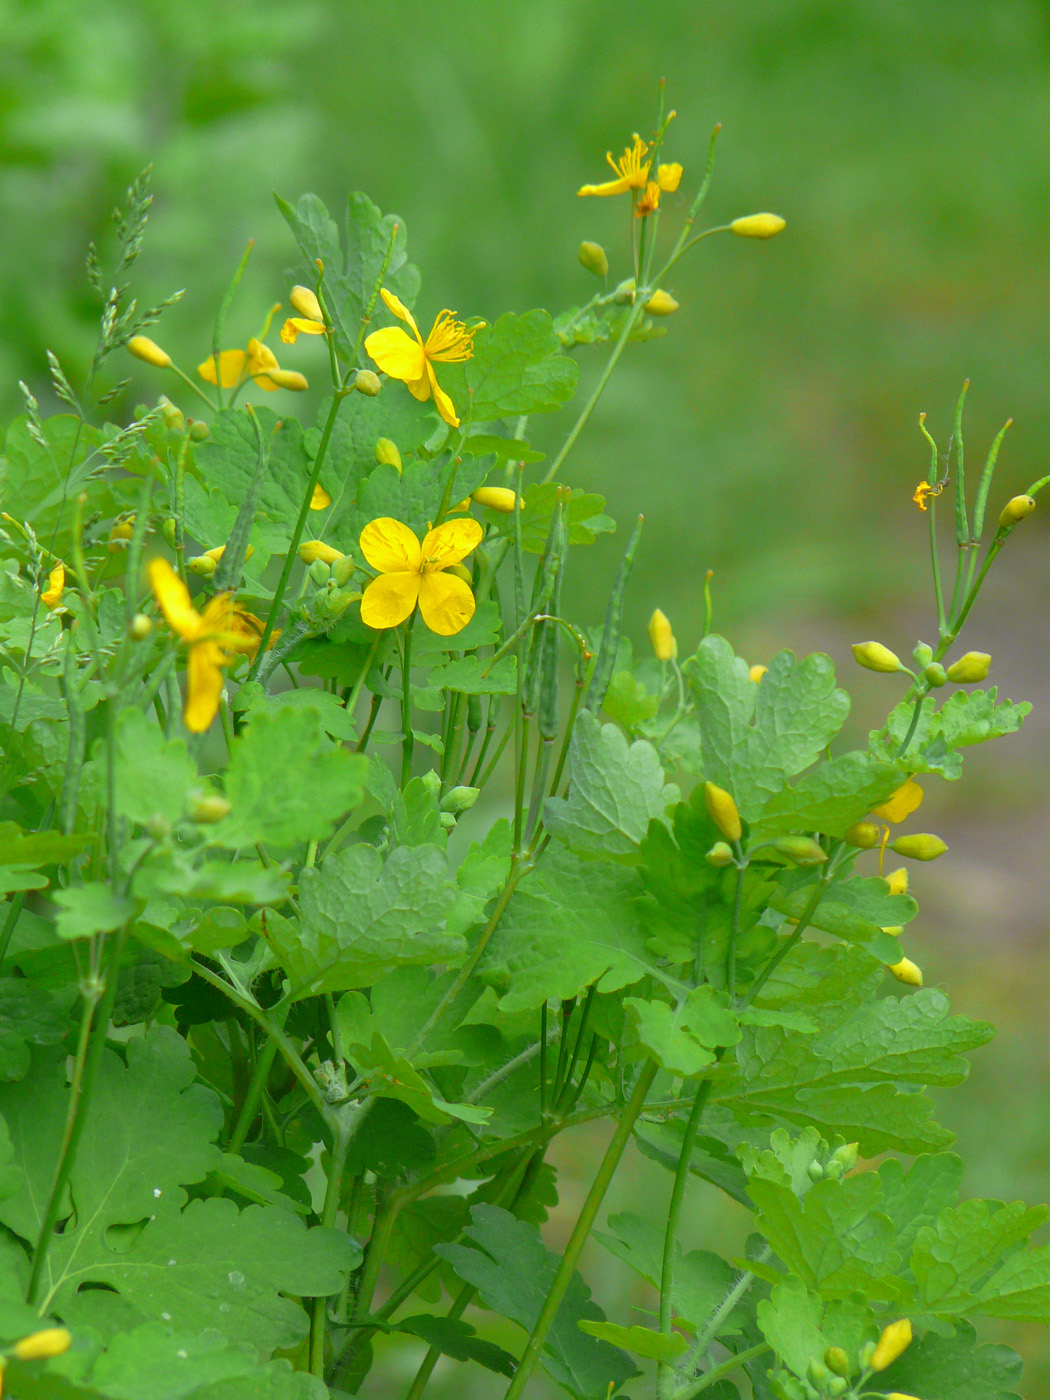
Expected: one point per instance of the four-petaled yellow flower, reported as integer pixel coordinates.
(209, 637)
(632, 173)
(411, 573)
(397, 354)
(258, 362)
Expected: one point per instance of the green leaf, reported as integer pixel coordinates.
(832, 796)
(335, 721)
(228, 459)
(628, 702)
(953, 1258)
(287, 782)
(682, 1038)
(616, 788)
(790, 1319)
(643, 1341)
(29, 1015)
(517, 367)
(915, 1198)
(701, 1279)
(857, 909)
(456, 1338)
(512, 1271)
(967, 717)
(85, 910)
(18, 847)
(583, 513)
(153, 775)
(465, 675)
(955, 1368)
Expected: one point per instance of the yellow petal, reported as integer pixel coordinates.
(450, 543)
(391, 547)
(320, 500)
(260, 357)
(203, 685)
(422, 387)
(389, 599)
(56, 582)
(297, 325)
(401, 311)
(445, 601)
(231, 368)
(396, 353)
(609, 187)
(442, 402)
(901, 804)
(174, 599)
(669, 177)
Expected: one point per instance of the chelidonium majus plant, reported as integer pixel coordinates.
(288, 1023)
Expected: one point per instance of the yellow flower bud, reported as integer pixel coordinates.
(898, 881)
(320, 500)
(145, 349)
(921, 846)
(592, 256)
(464, 504)
(121, 532)
(387, 454)
(209, 809)
(50, 1341)
(661, 303)
(311, 550)
(139, 627)
(305, 302)
(835, 1359)
(219, 550)
(901, 804)
(203, 565)
(895, 1339)
(368, 382)
(974, 666)
(755, 673)
(288, 379)
(665, 646)
(719, 855)
(911, 975)
(873, 656)
(722, 810)
(900, 1395)
(1015, 510)
(757, 226)
(862, 834)
(500, 498)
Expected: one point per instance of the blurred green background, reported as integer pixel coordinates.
(770, 436)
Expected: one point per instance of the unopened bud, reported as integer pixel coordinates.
(836, 1360)
(935, 675)
(208, 810)
(217, 551)
(320, 572)
(910, 974)
(894, 930)
(305, 302)
(173, 417)
(900, 1395)
(447, 820)
(320, 500)
(145, 349)
(331, 602)
(895, 1339)
(846, 1155)
(311, 550)
(1016, 509)
(723, 811)
(974, 666)
(835, 1387)
(757, 226)
(158, 828)
(368, 382)
(342, 570)
(873, 656)
(665, 648)
(817, 1372)
(288, 379)
(459, 799)
(387, 454)
(624, 293)
(923, 654)
(815, 1171)
(661, 303)
(803, 850)
(592, 257)
(169, 530)
(921, 846)
(203, 565)
(500, 498)
(755, 673)
(719, 855)
(38, 1346)
(862, 834)
(199, 430)
(865, 1354)
(139, 627)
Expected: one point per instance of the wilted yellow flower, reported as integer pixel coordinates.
(895, 1339)
(320, 500)
(632, 172)
(56, 583)
(923, 491)
(411, 573)
(235, 366)
(208, 636)
(411, 361)
(901, 804)
(246, 633)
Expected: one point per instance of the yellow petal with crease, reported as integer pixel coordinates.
(231, 369)
(900, 804)
(174, 599)
(450, 542)
(320, 500)
(397, 354)
(609, 187)
(445, 601)
(389, 599)
(669, 177)
(203, 685)
(442, 402)
(391, 547)
(401, 311)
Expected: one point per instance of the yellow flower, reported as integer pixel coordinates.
(208, 635)
(924, 491)
(56, 583)
(897, 881)
(320, 500)
(398, 355)
(756, 672)
(235, 366)
(246, 633)
(632, 173)
(310, 320)
(410, 572)
(900, 804)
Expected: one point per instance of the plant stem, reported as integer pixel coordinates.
(674, 1210)
(789, 943)
(705, 1339)
(257, 1083)
(408, 740)
(716, 1373)
(734, 932)
(911, 727)
(348, 1121)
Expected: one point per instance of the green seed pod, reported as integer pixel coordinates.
(387, 454)
(202, 565)
(368, 383)
(459, 800)
(199, 430)
(921, 846)
(473, 713)
(1016, 509)
(803, 850)
(935, 675)
(209, 809)
(139, 627)
(723, 811)
(836, 1360)
(319, 572)
(168, 530)
(873, 656)
(972, 667)
(862, 834)
(343, 570)
(592, 257)
(719, 855)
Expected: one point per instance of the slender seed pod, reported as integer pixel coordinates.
(873, 656)
(723, 811)
(894, 1341)
(972, 667)
(862, 834)
(592, 257)
(758, 226)
(473, 713)
(148, 350)
(921, 846)
(1015, 510)
(603, 668)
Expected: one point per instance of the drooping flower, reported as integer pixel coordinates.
(56, 583)
(208, 637)
(632, 173)
(412, 360)
(258, 362)
(924, 491)
(411, 573)
(310, 320)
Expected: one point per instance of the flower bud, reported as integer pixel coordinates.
(815, 1171)
(846, 1155)
(387, 454)
(921, 846)
(624, 293)
(500, 498)
(722, 810)
(865, 1354)
(974, 666)
(158, 828)
(173, 417)
(935, 675)
(145, 349)
(305, 302)
(661, 303)
(923, 654)
(898, 881)
(592, 256)
(203, 565)
(803, 850)
(873, 656)
(139, 627)
(320, 572)
(368, 382)
(342, 570)
(447, 820)
(218, 550)
(209, 809)
(1016, 509)
(836, 1360)
(331, 602)
(755, 673)
(910, 974)
(836, 1386)
(169, 530)
(199, 430)
(816, 1371)
(900, 1395)
(895, 1339)
(288, 379)
(665, 647)
(862, 834)
(757, 226)
(459, 799)
(311, 550)
(719, 855)
(38, 1346)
